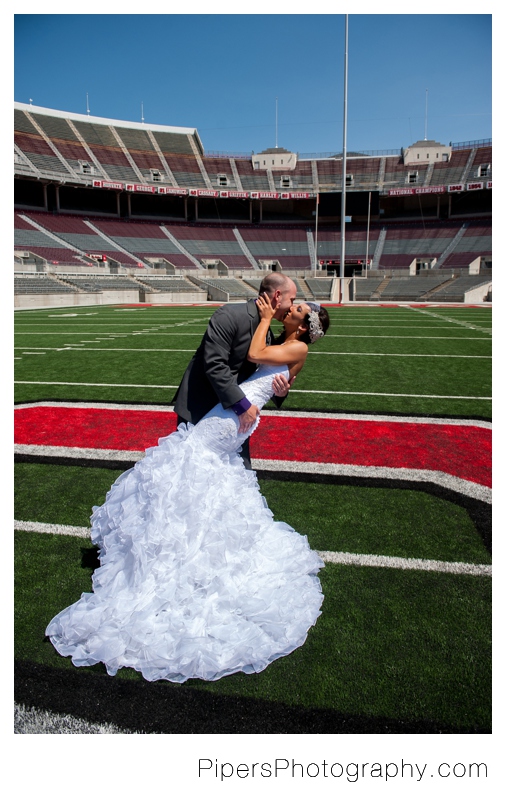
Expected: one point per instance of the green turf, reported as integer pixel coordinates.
(393, 522)
(401, 644)
(407, 645)
(361, 372)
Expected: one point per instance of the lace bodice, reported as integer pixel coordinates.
(218, 429)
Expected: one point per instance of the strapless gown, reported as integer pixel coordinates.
(196, 579)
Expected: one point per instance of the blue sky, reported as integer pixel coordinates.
(222, 73)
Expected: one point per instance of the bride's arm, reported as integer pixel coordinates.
(261, 353)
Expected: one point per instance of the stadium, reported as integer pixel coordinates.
(127, 236)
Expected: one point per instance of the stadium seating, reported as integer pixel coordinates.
(144, 240)
(165, 283)
(455, 291)
(235, 289)
(73, 230)
(101, 283)
(287, 245)
(39, 284)
(58, 145)
(365, 288)
(320, 288)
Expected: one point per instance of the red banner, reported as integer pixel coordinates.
(172, 190)
(107, 185)
(264, 195)
(297, 195)
(236, 195)
(204, 193)
(140, 187)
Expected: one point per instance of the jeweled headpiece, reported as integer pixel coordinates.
(315, 327)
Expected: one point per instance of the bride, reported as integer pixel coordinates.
(196, 579)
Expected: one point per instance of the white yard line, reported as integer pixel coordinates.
(297, 391)
(451, 319)
(330, 557)
(79, 348)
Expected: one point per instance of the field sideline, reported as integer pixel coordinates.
(380, 456)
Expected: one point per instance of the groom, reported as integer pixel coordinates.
(220, 363)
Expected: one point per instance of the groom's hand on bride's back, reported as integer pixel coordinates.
(248, 419)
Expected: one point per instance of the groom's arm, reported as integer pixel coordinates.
(219, 340)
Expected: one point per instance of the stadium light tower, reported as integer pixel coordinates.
(276, 122)
(87, 105)
(343, 188)
(426, 102)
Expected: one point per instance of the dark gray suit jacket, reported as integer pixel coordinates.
(220, 363)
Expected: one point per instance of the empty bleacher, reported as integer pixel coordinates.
(144, 240)
(405, 242)
(39, 284)
(287, 245)
(73, 231)
(208, 243)
(31, 239)
(102, 283)
(236, 289)
(455, 291)
(321, 288)
(303, 291)
(365, 287)
(166, 283)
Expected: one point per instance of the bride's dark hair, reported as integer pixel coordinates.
(323, 316)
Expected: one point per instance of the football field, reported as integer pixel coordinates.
(380, 456)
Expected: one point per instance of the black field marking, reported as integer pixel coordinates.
(162, 707)
(480, 512)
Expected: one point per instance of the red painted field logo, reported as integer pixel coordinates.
(459, 450)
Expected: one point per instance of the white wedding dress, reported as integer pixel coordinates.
(196, 580)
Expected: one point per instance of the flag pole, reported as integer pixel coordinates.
(368, 226)
(316, 234)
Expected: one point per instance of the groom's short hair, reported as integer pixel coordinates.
(272, 282)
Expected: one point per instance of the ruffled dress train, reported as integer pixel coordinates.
(196, 579)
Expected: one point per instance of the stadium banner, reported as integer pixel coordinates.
(236, 195)
(204, 193)
(471, 187)
(107, 185)
(297, 195)
(264, 195)
(171, 190)
(489, 184)
(430, 190)
(140, 187)
(456, 187)
(400, 192)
